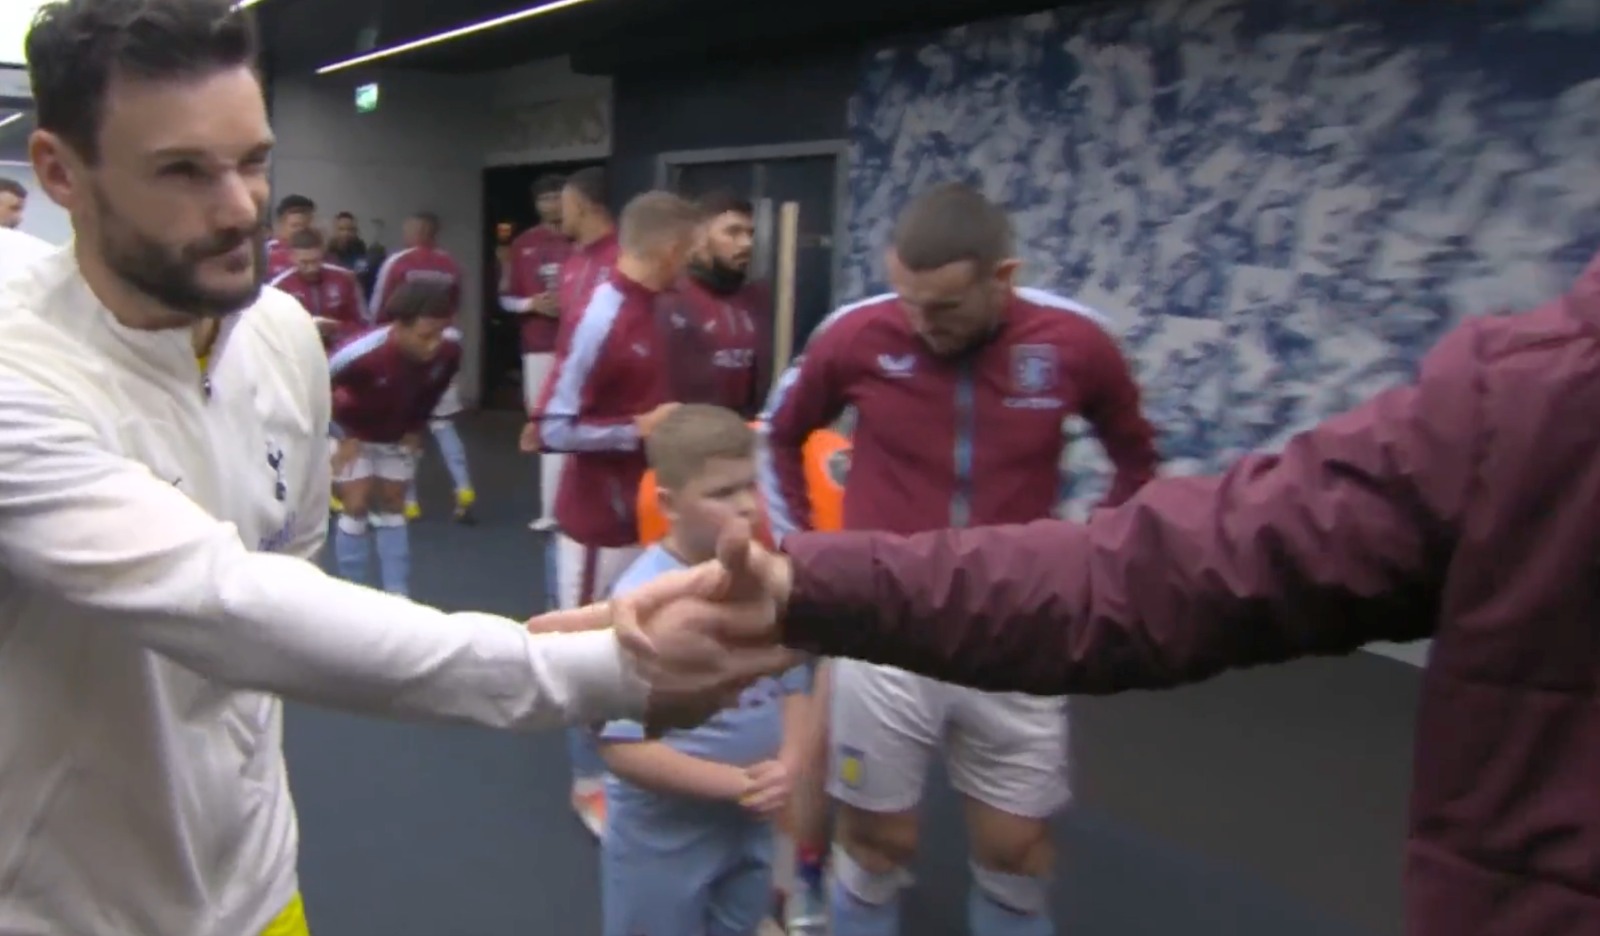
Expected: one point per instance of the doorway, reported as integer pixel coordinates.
(507, 200)
(811, 174)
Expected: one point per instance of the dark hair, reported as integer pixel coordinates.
(344, 216)
(308, 239)
(428, 220)
(951, 223)
(548, 185)
(76, 47)
(416, 300)
(724, 201)
(591, 184)
(13, 187)
(294, 204)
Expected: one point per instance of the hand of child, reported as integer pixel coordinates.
(770, 786)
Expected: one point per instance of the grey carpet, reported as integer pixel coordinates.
(423, 830)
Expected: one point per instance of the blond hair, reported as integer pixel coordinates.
(690, 437)
(654, 221)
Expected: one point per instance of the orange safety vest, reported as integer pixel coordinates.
(827, 463)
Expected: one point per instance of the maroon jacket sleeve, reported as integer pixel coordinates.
(809, 396)
(1114, 411)
(761, 312)
(1341, 540)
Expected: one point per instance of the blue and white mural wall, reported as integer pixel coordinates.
(1280, 203)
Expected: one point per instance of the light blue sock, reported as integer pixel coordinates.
(455, 454)
(585, 754)
(352, 549)
(853, 916)
(987, 916)
(411, 490)
(394, 552)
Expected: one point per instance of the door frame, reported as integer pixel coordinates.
(838, 149)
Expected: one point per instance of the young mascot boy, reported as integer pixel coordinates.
(689, 841)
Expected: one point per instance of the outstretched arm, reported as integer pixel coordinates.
(1340, 540)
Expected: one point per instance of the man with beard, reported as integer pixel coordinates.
(295, 213)
(530, 290)
(163, 487)
(349, 251)
(719, 323)
(961, 383)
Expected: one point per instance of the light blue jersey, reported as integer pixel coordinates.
(681, 866)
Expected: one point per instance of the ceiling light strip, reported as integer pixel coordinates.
(448, 35)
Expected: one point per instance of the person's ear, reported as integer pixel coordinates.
(1005, 272)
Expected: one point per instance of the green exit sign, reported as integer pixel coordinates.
(367, 98)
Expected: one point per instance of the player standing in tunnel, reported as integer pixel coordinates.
(531, 291)
(608, 391)
(961, 383)
(718, 321)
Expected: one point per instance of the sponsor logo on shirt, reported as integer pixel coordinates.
(852, 767)
(898, 366)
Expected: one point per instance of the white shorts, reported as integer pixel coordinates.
(450, 404)
(388, 461)
(1006, 750)
(585, 574)
(535, 370)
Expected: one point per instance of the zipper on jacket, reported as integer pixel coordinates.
(961, 496)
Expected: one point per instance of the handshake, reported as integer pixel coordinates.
(698, 637)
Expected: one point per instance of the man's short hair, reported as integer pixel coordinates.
(294, 204)
(951, 223)
(590, 184)
(344, 216)
(723, 201)
(428, 220)
(13, 187)
(548, 184)
(76, 47)
(655, 220)
(690, 437)
(308, 239)
(416, 300)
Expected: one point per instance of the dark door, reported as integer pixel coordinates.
(507, 199)
(696, 179)
(809, 181)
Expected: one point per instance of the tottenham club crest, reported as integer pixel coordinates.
(1033, 369)
(280, 487)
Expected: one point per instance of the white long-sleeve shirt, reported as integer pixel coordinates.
(17, 250)
(156, 597)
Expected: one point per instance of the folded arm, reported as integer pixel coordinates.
(1341, 540)
(656, 766)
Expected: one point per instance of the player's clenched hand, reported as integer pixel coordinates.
(771, 785)
(529, 442)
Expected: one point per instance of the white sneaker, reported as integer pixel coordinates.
(541, 524)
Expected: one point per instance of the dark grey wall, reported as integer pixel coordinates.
(725, 104)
